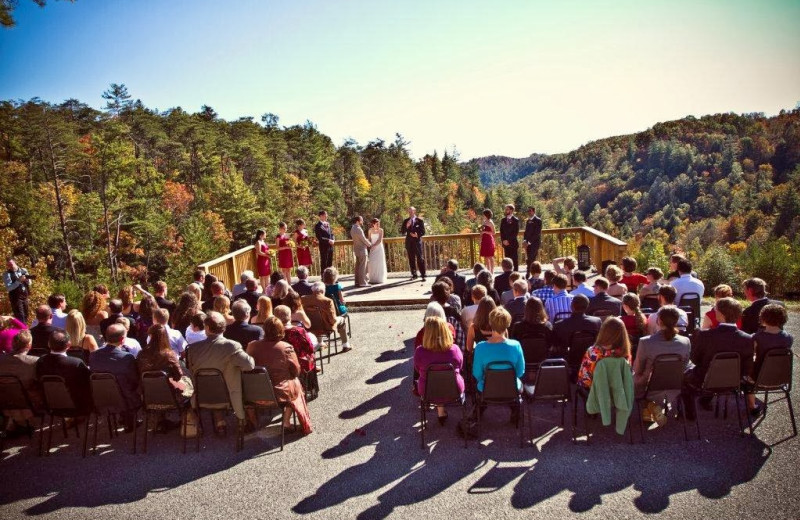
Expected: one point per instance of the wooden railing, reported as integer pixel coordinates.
(438, 249)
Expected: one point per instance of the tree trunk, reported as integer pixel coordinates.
(60, 204)
(106, 224)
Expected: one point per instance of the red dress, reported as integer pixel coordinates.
(487, 242)
(285, 259)
(263, 265)
(303, 252)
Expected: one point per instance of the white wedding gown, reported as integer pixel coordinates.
(376, 266)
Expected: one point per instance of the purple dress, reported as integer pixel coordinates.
(424, 358)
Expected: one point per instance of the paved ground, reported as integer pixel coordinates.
(364, 461)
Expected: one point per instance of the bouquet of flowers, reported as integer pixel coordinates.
(290, 244)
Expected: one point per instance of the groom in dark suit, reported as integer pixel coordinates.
(324, 234)
(509, 229)
(414, 229)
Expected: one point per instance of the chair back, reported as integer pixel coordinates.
(106, 394)
(691, 323)
(257, 386)
(12, 394)
(79, 353)
(691, 300)
(667, 374)
(157, 393)
(650, 302)
(561, 316)
(210, 388)
(724, 372)
(38, 351)
(603, 314)
(776, 369)
(500, 382)
(552, 381)
(534, 349)
(317, 323)
(441, 383)
(56, 394)
(578, 343)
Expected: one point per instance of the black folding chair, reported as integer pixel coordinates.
(323, 332)
(107, 399)
(666, 376)
(650, 302)
(159, 396)
(14, 397)
(603, 314)
(258, 393)
(582, 394)
(79, 353)
(500, 389)
(722, 378)
(38, 351)
(691, 319)
(693, 301)
(59, 403)
(441, 388)
(550, 384)
(776, 376)
(579, 341)
(211, 393)
(534, 349)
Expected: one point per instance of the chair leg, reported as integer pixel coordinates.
(135, 418)
(41, 436)
(563, 410)
(200, 429)
(283, 428)
(747, 413)
(422, 406)
(94, 443)
(64, 427)
(49, 436)
(521, 413)
(738, 413)
(791, 412)
(184, 427)
(480, 425)
(641, 421)
(574, 418)
(85, 436)
(147, 425)
(682, 415)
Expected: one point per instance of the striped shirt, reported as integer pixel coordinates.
(544, 293)
(561, 302)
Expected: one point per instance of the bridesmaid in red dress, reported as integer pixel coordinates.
(487, 240)
(302, 240)
(263, 264)
(285, 256)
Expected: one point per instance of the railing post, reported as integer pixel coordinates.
(471, 250)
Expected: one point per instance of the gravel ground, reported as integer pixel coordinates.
(364, 460)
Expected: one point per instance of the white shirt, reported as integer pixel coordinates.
(193, 337)
(59, 319)
(652, 323)
(468, 314)
(176, 341)
(132, 346)
(687, 284)
(238, 289)
(584, 290)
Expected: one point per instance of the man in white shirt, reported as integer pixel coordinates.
(129, 343)
(176, 340)
(686, 283)
(579, 277)
(666, 296)
(468, 313)
(57, 304)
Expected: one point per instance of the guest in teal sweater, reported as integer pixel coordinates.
(498, 348)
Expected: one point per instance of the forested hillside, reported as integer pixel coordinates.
(132, 193)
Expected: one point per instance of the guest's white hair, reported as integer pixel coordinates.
(246, 275)
(434, 310)
(318, 288)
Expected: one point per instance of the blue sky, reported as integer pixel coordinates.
(507, 78)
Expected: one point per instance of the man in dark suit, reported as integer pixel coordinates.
(602, 301)
(324, 234)
(250, 295)
(579, 321)
(451, 271)
(532, 239)
(73, 370)
(414, 229)
(755, 290)
(41, 332)
(501, 282)
(726, 337)
(240, 330)
(509, 232)
(516, 307)
(114, 359)
(114, 313)
(302, 287)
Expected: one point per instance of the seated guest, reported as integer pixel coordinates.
(93, 310)
(274, 278)
(298, 338)
(225, 355)
(130, 307)
(755, 291)
(534, 323)
(535, 280)
(216, 290)
(687, 283)
(450, 271)
(561, 301)
(113, 359)
(485, 279)
(188, 305)
(710, 318)
(630, 278)
(437, 347)
(240, 331)
(566, 265)
(19, 364)
(499, 348)
(58, 304)
(160, 295)
(176, 340)
(666, 296)
(433, 310)
(579, 321)
(772, 336)
(673, 266)
(601, 301)
(516, 307)
(281, 362)
(453, 300)
(468, 314)
(318, 303)
(665, 341)
(508, 295)
(612, 341)
(222, 305)
(41, 332)
(547, 291)
(76, 328)
(441, 295)
(707, 343)
(280, 292)
(501, 282)
(73, 370)
(302, 287)
(157, 355)
(615, 288)
(114, 314)
(144, 321)
(480, 329)
(241, 287)
(249, 295)
(129, 345)
(579, 277)
(9, 327)
(333, 290)
(635, 322)
(477, 268)
(295, 303)
(653, 276)
(263, 310)
(197, 329)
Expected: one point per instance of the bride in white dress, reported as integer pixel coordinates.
(376, 266)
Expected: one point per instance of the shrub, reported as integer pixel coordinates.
(774, 261)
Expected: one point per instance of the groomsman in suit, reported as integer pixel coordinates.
(509, 230)
(414, 229)
(532, 237)
(324, 234)
(361, 247)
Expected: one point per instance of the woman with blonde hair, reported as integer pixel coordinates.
(710, 318)
(93, 309)
(263, 310)
(76, 328)
(612, 341)
(222, 305)
(615, 287)
(437, 347)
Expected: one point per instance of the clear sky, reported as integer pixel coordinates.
(506, 78)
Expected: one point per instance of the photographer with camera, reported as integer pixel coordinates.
(18, 285)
